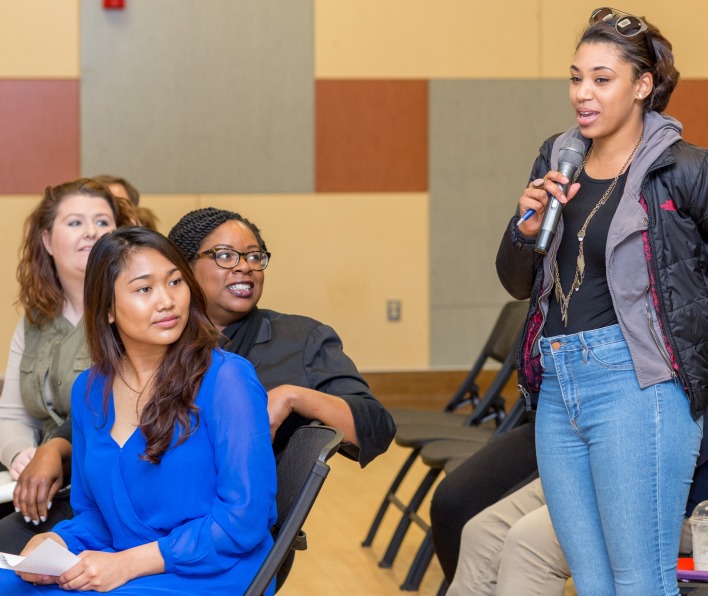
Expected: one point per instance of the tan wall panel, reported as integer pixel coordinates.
(169, 208)
(339, 258)
(425, 39)
(562, 23)
(40, 39)
(13, 212)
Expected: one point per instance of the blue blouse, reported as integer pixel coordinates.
(209, 503)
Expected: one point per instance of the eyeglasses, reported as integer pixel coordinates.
(626, 24)
(227, 258)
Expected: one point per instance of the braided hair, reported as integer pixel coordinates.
(190, 231)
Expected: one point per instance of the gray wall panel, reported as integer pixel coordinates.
(465, 327)
(208, 96)
(484, 136)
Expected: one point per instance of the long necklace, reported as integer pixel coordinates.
(562, 298)
(136, 405)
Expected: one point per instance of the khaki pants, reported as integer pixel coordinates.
(510, 548)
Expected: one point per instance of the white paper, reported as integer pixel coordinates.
(49, 558)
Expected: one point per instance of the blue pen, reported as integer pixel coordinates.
(525, 216)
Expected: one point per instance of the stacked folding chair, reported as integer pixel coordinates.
(416, 430)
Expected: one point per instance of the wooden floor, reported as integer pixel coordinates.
(334, 562)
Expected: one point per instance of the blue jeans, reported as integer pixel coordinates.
(616, 463)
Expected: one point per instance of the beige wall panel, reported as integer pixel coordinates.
(562, 23)
(13, 212)
(169, 208)
(339, 257)
(40, 39)
(426, 39)
(360, 256)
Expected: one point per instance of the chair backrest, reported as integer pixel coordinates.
(502, 341)
(515, 416)
(503, 336)
(301, 469)
(489, 400)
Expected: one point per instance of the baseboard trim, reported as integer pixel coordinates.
(427, 390)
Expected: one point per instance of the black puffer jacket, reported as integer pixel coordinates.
(674, 194)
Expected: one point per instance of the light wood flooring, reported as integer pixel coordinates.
(335, 563)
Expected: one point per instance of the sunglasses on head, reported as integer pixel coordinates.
(626, 24)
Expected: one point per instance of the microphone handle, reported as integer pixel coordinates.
(551, 217)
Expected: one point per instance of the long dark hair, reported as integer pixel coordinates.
(635, 51)
(186, 361)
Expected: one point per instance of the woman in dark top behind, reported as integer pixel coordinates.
(300, 361)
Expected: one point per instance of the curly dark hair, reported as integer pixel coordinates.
(186, 361)
(41, 294)
(190, 231)
(635, 51)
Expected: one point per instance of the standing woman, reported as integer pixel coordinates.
(615, 343)
(173, 475)
(48, 349)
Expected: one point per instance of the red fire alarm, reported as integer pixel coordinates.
(114, 4)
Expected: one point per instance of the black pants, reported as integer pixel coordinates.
(500, 467)
(699, 488)
(15, 533)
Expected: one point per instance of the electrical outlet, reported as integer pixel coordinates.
(393, 310)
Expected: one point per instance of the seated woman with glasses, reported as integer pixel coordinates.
(299, 360)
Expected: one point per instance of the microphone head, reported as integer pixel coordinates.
(572, 152)
(570, 159)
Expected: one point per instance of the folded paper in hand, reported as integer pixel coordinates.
(49, 558)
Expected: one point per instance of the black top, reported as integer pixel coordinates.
(296, 350)
(590, 307)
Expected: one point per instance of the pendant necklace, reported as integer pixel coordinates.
(562, 298)
(136, 405)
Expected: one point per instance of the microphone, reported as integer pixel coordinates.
(570, 158)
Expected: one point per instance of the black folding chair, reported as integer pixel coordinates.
(415, 427)
(445, 455)
(467, 396)
(301, 468)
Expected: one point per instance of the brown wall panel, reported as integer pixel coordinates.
(688, 104)
(39, 134)
(372, 136)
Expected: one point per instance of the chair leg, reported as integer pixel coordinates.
(443, 588)
(389, 497)
(405, 522)
(420, 564)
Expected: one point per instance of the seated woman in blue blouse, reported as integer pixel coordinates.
(173, 474)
